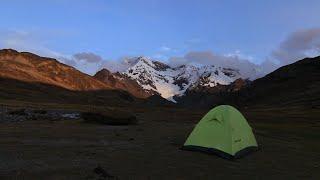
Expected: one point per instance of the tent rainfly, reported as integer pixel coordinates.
(222, 131)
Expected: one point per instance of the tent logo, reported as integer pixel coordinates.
(214, 119)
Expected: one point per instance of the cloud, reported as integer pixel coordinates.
(165, 48)
(68, 61)
(268, 66)
(84, 61)
(160, 56)
(234, 60)
(119, 65)
(25, 41)
(240, 55)
(87, 57)
(298, 45)
(247, 68)
(164, 52)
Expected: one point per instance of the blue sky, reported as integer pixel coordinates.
(155, 28)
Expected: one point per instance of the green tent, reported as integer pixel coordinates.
(222, 131)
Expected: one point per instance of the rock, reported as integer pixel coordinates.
(18, 115)
(102, 173)
(71, 115)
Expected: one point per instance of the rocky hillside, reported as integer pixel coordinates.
(28, 67)
(293, 84)
(123, 82)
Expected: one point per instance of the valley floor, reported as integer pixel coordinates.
(71, 149)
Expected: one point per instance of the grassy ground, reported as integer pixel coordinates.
(289, 142)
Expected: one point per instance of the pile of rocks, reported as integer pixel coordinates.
(18, 115)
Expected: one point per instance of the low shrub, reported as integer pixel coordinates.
(116, 119)
(39, 111)
(18, 112)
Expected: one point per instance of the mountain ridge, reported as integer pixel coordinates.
(143, 77)
(296, 84)
(123, 82)
(159, 78)
(186, 84)
(28, 77)
(30, 67)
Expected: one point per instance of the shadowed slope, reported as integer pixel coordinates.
(121, 81)
(297, 84)
(15, 90)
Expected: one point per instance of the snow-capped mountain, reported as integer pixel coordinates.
(123, 82)
(160, 78)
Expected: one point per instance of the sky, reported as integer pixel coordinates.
(89, 34)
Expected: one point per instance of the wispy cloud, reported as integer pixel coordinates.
(165, 48)
(247, 68)
(68, 61)
(26, 41)
(31, 41)
(160, 56)
(298, 45)
(164, 52)
(119, 65)
(87, 57)
(240, 55)
(87, 62)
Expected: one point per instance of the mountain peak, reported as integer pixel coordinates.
(104, 71)
(122, 81)
(169, 82)
(12, 51)
(144, 60)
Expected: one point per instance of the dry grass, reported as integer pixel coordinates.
(110, 118)
(150, 150)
